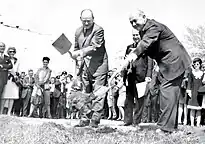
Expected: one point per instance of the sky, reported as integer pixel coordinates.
(54, 17)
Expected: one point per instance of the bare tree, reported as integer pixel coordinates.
(195, 41)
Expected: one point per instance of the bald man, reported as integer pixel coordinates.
(159, 42)
(5, 65)
(137, 71)
(90, 49)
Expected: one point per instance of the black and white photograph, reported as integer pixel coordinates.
(102, 72)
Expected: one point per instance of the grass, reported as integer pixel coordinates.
(15, 131)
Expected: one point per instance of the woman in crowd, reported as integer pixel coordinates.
(194, 83)
(11, 90)
(110, 99)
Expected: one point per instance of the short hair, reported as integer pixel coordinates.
(197, 60)
(135, 31)
(1, 43)
(64, 72)
(46, 58)
(53, 78)
(30, 70)
(70, 76)
(11, 48)
(138, 14)
(57, 77)
(87, 10)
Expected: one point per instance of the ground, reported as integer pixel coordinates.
(21, 130)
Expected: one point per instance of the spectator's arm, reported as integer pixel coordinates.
(190, 82)
(25, 83)
(120, 83)
(112, 77)
(47, 77)
(36, 77)
(8, 64)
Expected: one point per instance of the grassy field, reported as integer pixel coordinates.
(14, 130)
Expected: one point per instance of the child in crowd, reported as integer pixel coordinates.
(118, 93)
(55, 94)
(61, 108)
(121, 97)
(111, 96)
(68, 87)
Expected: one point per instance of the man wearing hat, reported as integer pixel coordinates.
(161, 44)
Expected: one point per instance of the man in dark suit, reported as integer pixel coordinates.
(28, 83)
(90, 49)
(137, 71)
(161, 44)
(5, 65)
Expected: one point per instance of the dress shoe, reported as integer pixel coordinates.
(119, 119)
(94, 124)
(83, 123)
(109, 118)
(162, 132)
(126, 124)
(114, 118)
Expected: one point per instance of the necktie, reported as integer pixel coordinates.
(29, 80)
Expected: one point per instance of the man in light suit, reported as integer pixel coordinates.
(5, 65)
(161, 44)
(28, 83)
(137, 71)
(90, 49)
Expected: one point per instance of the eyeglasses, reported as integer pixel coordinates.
(133, 21)
(135, 35)
(12, 52)
(86, 20)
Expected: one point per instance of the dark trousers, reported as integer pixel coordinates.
(17, 107)
(26, 103)
(1, 90)
(151, 109)
(35, 111)
(61, 107)
(130, 105)
(91, 84)
(54, 104)
(169, 101)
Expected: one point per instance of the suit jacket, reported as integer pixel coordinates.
(26, 88)
(93, 45)
(161, 44)
(141, 68)
(7, 64)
